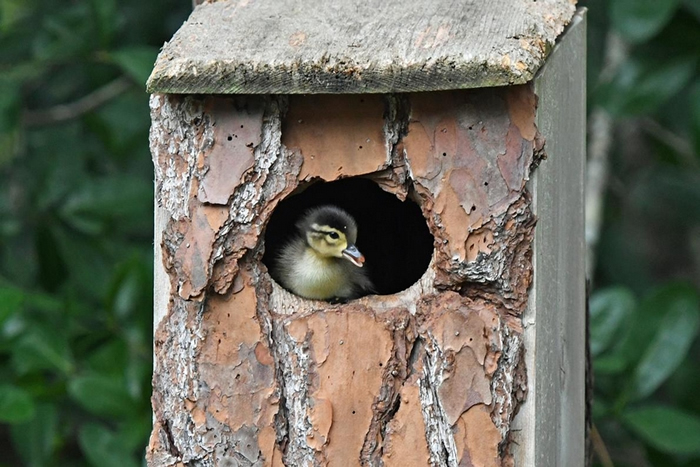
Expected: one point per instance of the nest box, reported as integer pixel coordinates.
(454, 133)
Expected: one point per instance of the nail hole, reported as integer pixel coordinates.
(229, 137)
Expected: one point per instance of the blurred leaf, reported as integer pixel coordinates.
(643, 83)
(670, 345)
(665, 428)
(129, 290)
(122, 126)
(682, 386)
(10, 111)
(42, 349)
(86, 260)
(134, 433)
(103, 448)
(610, 364)
(105, 15)
(10, 12)
(10, 105)
(622, 256)
(650, 313)
(35, 439)
(668, 195)
(694, 98)
(100, 203)
(693, 6)
(609, 308)
(102, 395)
(110, 359)
(136, 62)
(16, 405)
(639, 20)
(11, 300)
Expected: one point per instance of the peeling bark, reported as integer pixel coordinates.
(248, 374)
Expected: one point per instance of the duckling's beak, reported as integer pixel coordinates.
(352, 254)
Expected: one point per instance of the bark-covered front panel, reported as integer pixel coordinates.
(247, 373)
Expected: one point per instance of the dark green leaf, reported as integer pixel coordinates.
(695, 117)
(100, 203)
(105, 16)
(668, 195)
(110, 359)
(668, 348)
(665, 428)
(10, 12)
(649, 316)
(639, 20)
(693, 6)
(137, 62)
(35, 440)
(103, 448)
(42, 349)
(16, 405)
(643, 83)
(610, 309)
(102, 395)
(11, 300)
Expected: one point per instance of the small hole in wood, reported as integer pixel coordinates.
(229, 137)
(360, 147)
(486, 183)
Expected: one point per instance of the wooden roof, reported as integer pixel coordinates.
(358, 46)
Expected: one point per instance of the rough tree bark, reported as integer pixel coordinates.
(249, 374)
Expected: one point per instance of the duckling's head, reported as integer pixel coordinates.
(331, 233)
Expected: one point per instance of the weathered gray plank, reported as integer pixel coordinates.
(551, 422)
(358, 46)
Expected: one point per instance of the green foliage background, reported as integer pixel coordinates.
(644, 307)
(76, 230)
(76, 214)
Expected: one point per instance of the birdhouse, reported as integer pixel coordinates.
(425, 160)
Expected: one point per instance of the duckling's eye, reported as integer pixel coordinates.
(334, 235)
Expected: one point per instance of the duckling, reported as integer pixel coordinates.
(322, 261)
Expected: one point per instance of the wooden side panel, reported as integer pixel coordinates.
(550, 425)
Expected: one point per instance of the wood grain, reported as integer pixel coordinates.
(357, 46)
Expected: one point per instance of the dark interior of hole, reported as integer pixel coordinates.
(392, 234)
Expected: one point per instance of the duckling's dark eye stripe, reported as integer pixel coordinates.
(324, 232)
